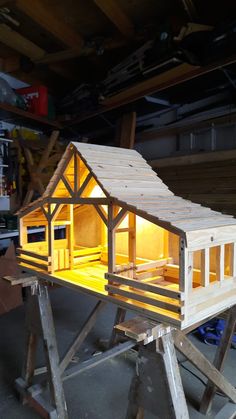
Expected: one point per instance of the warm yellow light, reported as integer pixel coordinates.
(97, 192)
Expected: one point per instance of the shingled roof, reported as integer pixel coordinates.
(126, 177)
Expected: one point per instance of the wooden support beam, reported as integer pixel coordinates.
(101, 213)
(76, 173)
(22, 233)
(25, 47)
(127, 126)
(203, 365)
(219, 361)
(48, 20)
(50, 240)
(182, 265)
(19, 43)
(220, 263)
(132, 238)
(80, 338)
(212, 156)
(119, 217)
(111, 240)
(233, 259)
(84, 184)
(205, 269)
(173, 77)
(116, 15)
(70, 230)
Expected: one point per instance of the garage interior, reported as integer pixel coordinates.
(154, 76)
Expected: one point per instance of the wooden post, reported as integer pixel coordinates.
(220, 263)
(219, 360)
(126, 130)
(71, 236)
(233, 259)
(111, 240)
(51, 246)
(76, 173)
(205, 261)
(132, 237)
(182, 265)
(23, 233)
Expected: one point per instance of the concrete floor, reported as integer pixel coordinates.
(100, 392)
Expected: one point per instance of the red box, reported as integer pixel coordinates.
(36, 98)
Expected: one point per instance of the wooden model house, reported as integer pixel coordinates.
(129, 239)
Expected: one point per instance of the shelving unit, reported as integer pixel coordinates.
(14, 115)
(4, 197)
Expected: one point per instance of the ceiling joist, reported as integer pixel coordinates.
(114, 13)
(19, 43)
(27, 48)
(47, 20)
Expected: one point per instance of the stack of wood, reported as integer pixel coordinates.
(37, 160)
(210, 183)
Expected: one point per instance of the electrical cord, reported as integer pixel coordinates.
(199, 378)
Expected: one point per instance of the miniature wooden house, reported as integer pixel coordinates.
(129, 239)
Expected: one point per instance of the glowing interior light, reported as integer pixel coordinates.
(96, 192)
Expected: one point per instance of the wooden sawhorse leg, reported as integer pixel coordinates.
(219, 360)
(39, 323)
(157, 385)
(119, 318)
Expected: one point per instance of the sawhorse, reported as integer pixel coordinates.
(48, 398)
(157, 386)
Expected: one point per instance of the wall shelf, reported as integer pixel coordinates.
(16, 116)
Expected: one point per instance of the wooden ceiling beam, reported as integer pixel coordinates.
(19, 43)
(47, 20)
(173, 77)
(25, 47)
(68, 54)
(116, 15)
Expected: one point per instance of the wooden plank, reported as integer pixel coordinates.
(209, 237)
(219, 361)
(156, 289)
(183, 266)
(127, 130)
(152, 264)
(19, 43)
(80, 338)
(116, 15)
(205, 267)
(84, 184)
(87, 251)
(144, 298)
(142, 330)
(192, 159)
(32, 254)
(32, 263)
(111, 240)
(67, 185)
(101, 213)
(220, 263)
(119, 217)
(233, 259)
(79, 260)
(203, 365)
(50, 242)
(48, 20)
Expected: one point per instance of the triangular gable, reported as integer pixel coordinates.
(73, 178)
